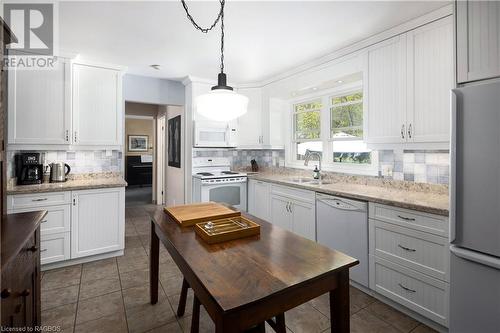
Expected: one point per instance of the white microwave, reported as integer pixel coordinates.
(215, 134)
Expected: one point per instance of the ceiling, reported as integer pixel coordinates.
(263, 38)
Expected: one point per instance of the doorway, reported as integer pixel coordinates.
(140, 141)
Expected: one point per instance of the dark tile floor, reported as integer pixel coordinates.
(112, 295)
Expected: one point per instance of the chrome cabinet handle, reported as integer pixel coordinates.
(43, 250)
(406, 248)
(406, 288)
(41, 199)
(75, 136)
(409, 131)
(291, 208)
(43, 221)
(74, 201)
(406, 218)
(67, 136)
(403, 131)
(287, 208)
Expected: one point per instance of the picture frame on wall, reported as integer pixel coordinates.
(174, 142)
(137, 143)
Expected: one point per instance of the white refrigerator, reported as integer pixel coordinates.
(475, 209)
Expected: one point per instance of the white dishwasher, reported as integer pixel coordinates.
(342, 224)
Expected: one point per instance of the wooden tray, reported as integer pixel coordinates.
(227, 229)
(223, 230)
(188, 215)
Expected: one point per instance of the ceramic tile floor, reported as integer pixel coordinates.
(112, 295)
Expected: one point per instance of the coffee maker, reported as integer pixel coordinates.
(29, 170)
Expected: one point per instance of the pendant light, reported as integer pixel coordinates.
(221, 103)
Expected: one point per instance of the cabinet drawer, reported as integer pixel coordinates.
(57, 220)
(293, 193)
(55, 247)
(431, 223)
(421, 293)
(38, 200)
(423, 252)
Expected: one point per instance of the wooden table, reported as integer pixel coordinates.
(244, 282)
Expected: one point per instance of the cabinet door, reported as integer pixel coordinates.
(386, 87)
(478, 40)
(98, 221)
(249, 125)
(430, 79)
(258, 199)
(39, 105)
(97, 106)
(280, 212)
(304, 219)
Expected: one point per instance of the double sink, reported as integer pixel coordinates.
(308, 181)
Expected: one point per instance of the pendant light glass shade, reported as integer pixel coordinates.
(222, 103)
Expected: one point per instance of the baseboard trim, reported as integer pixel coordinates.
(83, 260)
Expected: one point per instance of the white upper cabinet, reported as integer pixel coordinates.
(40, 105)
(478, 40)
(386, 87)
(249, 125)
(97, 105)
(262, 126)
(408, 86)
(430, 79)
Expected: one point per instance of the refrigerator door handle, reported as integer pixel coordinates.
(478, 257)
(453, 166)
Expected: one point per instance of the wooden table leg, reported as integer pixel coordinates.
(182, 300)
(195, 317)
(339, 304)
(154, 265)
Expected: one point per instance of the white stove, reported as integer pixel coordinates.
(213, 180)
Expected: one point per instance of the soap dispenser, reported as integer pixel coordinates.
(316, 172)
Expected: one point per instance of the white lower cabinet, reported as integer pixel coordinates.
(55, 247)
(418, 292)
(78, 223)
(294, 210)
(281, 215)
(97, 222)
(409, 259)
(258, 199)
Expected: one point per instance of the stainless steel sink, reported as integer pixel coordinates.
(308, 181)
(318, 182)
(300, 180)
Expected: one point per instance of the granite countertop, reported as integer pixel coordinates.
(69, 185)
(424, 201)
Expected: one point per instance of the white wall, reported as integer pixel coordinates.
(175, 176)
(150, 90)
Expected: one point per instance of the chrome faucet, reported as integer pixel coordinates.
(308, 155)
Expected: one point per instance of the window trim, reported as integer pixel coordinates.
(325, 133)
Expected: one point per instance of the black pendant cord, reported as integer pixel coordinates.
(206, 30)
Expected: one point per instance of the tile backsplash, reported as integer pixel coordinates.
(421, 166)
(80, 161)
(241, 158)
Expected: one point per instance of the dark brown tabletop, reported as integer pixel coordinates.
(276, 269)
(16, 229)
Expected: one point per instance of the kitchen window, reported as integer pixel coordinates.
(332, 123)
(307, 127)
(346, 129)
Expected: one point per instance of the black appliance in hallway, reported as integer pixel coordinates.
(29, 170)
